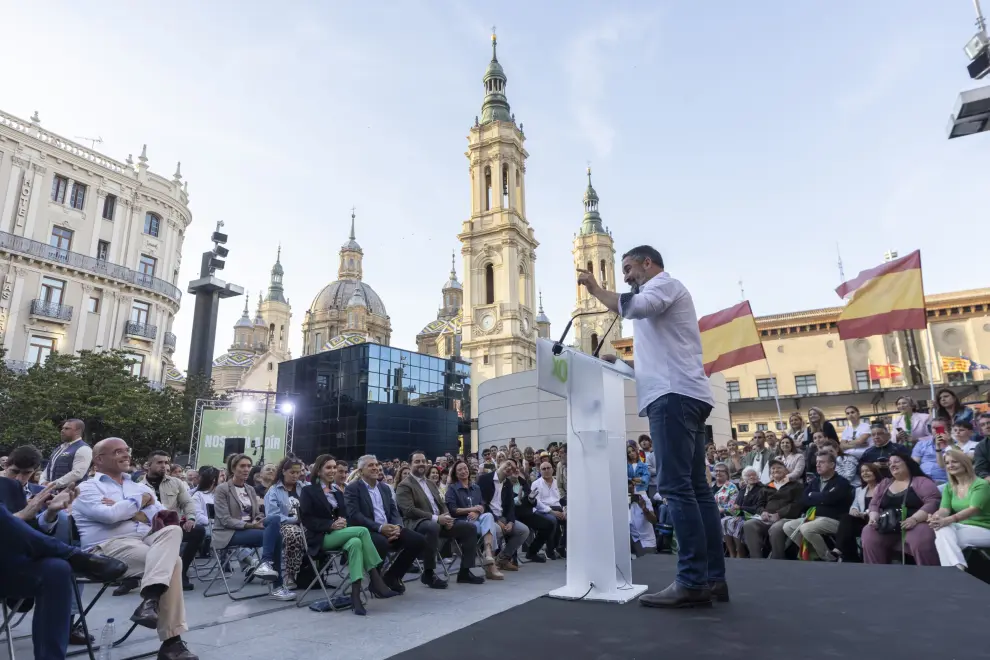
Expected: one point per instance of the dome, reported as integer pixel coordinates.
(452, 283)
(357, 299)
(542, 317)
(443, 326)
(235, 359)
(173, 375)
(336, 296)
(346, 339)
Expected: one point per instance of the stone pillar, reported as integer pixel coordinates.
(122, 218)
(14, 312)
(120, 318)
(107, 311)
(37, 193)
(97, 221)
(82, 317)
(17, 168)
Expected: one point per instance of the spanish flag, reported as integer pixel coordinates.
(730, 338)
(884, 299)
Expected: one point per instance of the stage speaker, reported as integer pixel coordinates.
(233, 446)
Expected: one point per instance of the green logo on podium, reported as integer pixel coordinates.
(560, 369)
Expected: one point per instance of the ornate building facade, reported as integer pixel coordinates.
(442, 337)
(594, 252)
(259, 344)
(497, 243)
(347, 311)
(90, 249)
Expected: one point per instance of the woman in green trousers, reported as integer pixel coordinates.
(323, 517)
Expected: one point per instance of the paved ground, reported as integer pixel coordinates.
(264, 629)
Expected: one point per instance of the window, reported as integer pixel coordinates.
(59, 185)
(269, 366)
(766, 387)
(137, 364)
(806, 384)
(505, 186)
(109, 206)
(140, 312)
(78, 197)
(863, 381)
(152, 224)
(39, 349)
(781, 426)
(485, 360)
(489, 284)
(594, 341)
(732, 387)
(94, 305)
(604, 277)
(147, 265)
(762, 426)
(743, 428)
(102, 250)
(61, 240)
(52, 290)
(488, 189)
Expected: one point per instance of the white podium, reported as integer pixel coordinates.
(599, 565)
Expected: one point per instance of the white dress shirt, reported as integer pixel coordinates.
(667, 350)
(99, 522)
(641, 529)
(849, 434)
(496, 503)
(547, 494)
(378, 504)
(429, 495)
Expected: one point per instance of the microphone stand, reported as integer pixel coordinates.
(558, 346)
(598, 349)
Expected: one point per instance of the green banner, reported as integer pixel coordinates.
(218, 425)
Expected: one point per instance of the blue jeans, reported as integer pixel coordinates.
(32, 565)
(677, 424)
(269, 540)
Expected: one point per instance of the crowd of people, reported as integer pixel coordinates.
(916, 489)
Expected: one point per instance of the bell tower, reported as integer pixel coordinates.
(497, 243)
(277, 312)
(594, 251)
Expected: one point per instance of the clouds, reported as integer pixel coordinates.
(591, 58)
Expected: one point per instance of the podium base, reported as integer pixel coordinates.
(615, 595)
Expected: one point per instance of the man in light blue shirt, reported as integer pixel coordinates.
(674, 393)
(114, 516)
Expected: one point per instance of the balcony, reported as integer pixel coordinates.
(143, 331)
(25, 246)
(169, 341)
(51, 311)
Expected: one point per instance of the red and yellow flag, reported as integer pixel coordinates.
(730, 338)
(884, 299)
(955, 365)
(888, 371)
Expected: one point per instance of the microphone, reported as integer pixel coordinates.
(558, 346)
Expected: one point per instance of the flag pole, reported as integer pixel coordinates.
(928, 331)
(776, 399)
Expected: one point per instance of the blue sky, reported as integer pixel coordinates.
(743, 140)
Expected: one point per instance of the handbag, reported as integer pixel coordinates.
(164, 518)
(889, 521)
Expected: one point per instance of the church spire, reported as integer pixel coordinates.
(495, 106)
(275, 291)
(350, 256)
(592, 223)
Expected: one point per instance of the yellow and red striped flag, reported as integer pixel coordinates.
(884, 299)
(888, 371)
(955, 365)
(730, 338)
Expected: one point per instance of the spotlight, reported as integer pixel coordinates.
(287, 408)
(248, 406)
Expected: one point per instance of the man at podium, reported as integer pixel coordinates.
(673, 392)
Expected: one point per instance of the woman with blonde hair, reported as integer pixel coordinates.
(911, 426)
(817, 422)
(963, 520)
(792, 458)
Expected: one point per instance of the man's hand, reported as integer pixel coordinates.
(37, 503)
(560, 515)
(481, 508)
(587, 279)
(140, 517)
(61, 502)
(507, 528)
(188, 525)
(147, 499)
(106, 501)
(445, 520)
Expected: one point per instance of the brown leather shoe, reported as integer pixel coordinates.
(492, 572)
(506, 565)
(77, 636)
(176, 650)
(146, 614)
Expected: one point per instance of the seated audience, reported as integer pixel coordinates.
(545, 496)
(759, 453)
(192, 480)
(208, 482)
(780, 502)
(981, 455)
(855, 436)
(114, 517)
(369, 503)
(173, 495)
(746, 505)
(499, 500)
(425, 512)
(963, 520)
(282, 503)
(240, 523)
(851, 525)
(846, 466)
(725, 493)
(911, 426)
(638, 471)
(948, 406)
(541, 529)
(883, 448)
(465, 502)
(323, 515)
(642, 518)
(819, 441)
(817, 422)
(829, 495)
(793, 459)
(904, 500)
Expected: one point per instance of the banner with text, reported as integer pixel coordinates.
(219, 425)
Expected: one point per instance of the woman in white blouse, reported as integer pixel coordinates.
(204, 494)
(911, 426)
(545, 495)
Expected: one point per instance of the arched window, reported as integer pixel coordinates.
(488, 188)
(604, 277)
(505, 186)
(522, 286)
(152, 224)
(489, 284)
(594, 341)
(318, 343)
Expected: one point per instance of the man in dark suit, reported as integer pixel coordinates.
(424, 511)
(370, 504)
(499, 500)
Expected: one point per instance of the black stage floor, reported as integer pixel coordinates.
(779, 609)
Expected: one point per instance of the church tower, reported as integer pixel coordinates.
(497, 243)
(594, 251)
(277, 312)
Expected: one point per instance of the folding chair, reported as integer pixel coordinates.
(326, 565)
(8, 614)
(81, 617)
(220, 559)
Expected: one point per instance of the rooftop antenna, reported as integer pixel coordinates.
(842, 272)
(742, 291)
(889, 255)
(92, 141)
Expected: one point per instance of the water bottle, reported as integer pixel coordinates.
(106, 641)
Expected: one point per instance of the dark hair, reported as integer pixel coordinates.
(208, 476)
(854, 408)
(414, 452)
(430, 469)
(641, 252)
(777, 461)
(318, 464)
(25, 457)
(964, 423)
(233, 461)
(160, 452)
(286, 463)
(645, 437)
(78, 422)
(824, 453)
(913, 467)
(874, 470)
(453, 468)
(879, 423)
(252, 473)
(940, 411)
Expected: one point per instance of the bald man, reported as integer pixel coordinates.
(114, 515)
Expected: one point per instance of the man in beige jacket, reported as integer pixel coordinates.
(173, 495)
